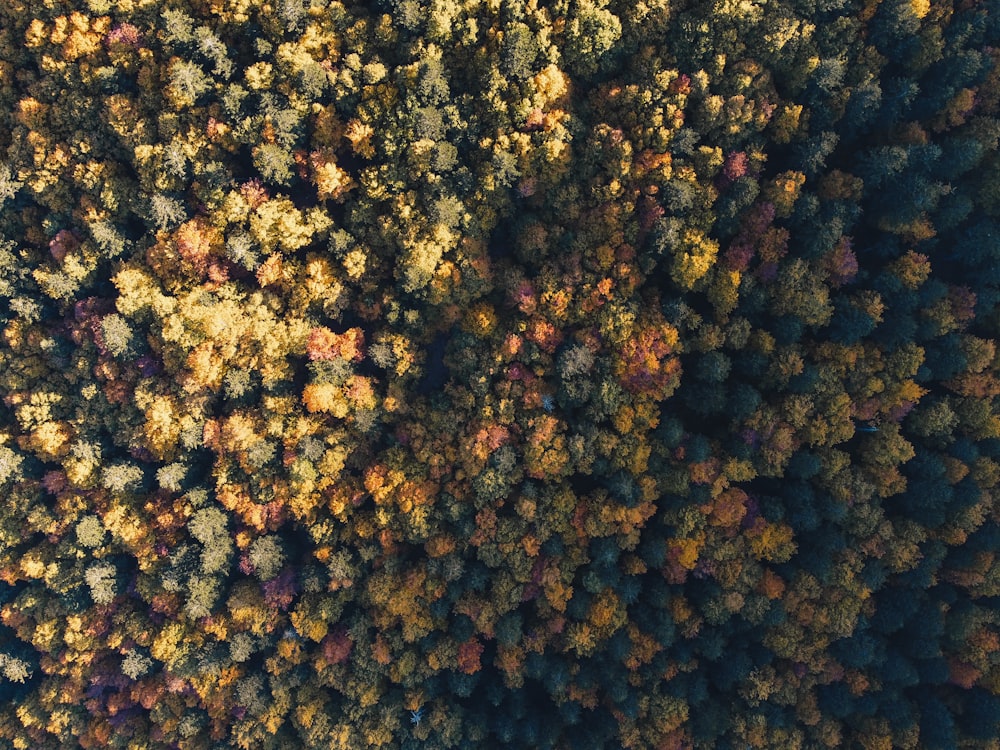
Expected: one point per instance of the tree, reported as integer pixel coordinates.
(123, 477)
(518, 51)
(937, 727)
(980, 714)
(117, 336)
(166, 212)
(266, 557)
(274, 163)
(100, 577)
(934, 421)
(592, 31)
(187, 83)
(90, 531)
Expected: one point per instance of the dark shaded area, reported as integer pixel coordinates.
(436, 373)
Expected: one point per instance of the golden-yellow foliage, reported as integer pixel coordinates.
(162, 426)
(920, 8)
(50, 440)
(693, 259)
(774, 542)
(325, 397)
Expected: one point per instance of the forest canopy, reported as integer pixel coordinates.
(472, 373)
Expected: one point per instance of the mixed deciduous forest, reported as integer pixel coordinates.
(477, 373)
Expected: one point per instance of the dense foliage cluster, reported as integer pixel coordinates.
(570, 374)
